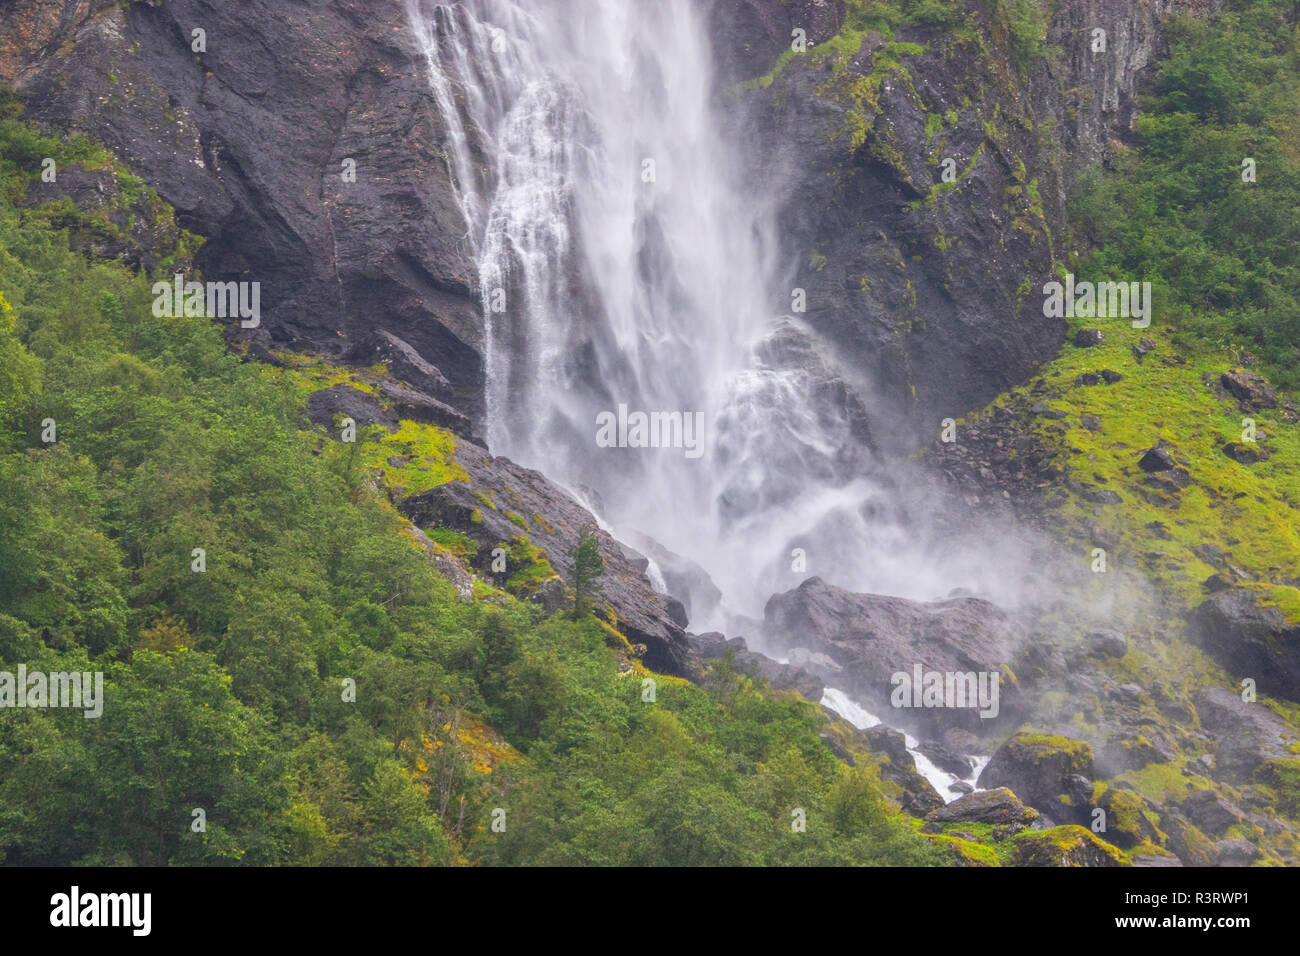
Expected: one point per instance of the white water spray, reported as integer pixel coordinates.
(625, 258)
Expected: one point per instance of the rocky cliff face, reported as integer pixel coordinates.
(250, 141)
(929, 286)
(925, 288)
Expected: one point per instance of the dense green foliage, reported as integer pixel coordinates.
(1223, 255)
(228, 689)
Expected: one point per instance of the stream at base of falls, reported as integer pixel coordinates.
(941, 780)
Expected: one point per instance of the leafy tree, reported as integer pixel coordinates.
(588, 566)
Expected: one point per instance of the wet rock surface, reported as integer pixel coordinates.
(502, 501)
(871, 638)
(1251, 638)
(248, 142)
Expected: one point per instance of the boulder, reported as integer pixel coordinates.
(1186, 840)
(999, 806)
(1251, 639)
(1106, 643)
(1210, 813)
(403, 362)
(1248, 734)
(1126, 820)
(873, 639)
(1243, 453)
(1156, 459)
(1064, 846)
(919, 796)
(1088, 338)
(1039, 768)
(946, 759)
(1249, 388)
(1236, 852)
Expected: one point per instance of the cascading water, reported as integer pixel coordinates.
(624, 260)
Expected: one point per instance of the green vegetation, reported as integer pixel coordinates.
(588, 566)
(1063, 846)
(1224, 254)
(1248, 512)
(318, 690)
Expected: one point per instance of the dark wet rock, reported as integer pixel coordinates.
(1159, 530)
(686, 580)
(415, 405)
(960, 786)
(1087, 338)
(714, 647)
(1248, 734)
(1102, 496)
(1156, 459)
(983, 334)
(344, 401)
(1039, 769)
(1106, 643)
(892, 743)
(1244, 453)
(1249, 388)
(754, 33)
(1110, 376)
(1236, 852)
(1143, 348)
(873, 637)
(919, 796)
(1210, 813)
(1170, 482)
(644, 615)
(247, 142)
(1090, 422)
(1087, 378)
(1251, 639)
(999, 806)
(1191, 846)
(1126, 820)
(1217, 582)
(402, 362)
(947, 760)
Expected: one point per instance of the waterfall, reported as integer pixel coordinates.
(629, 263)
